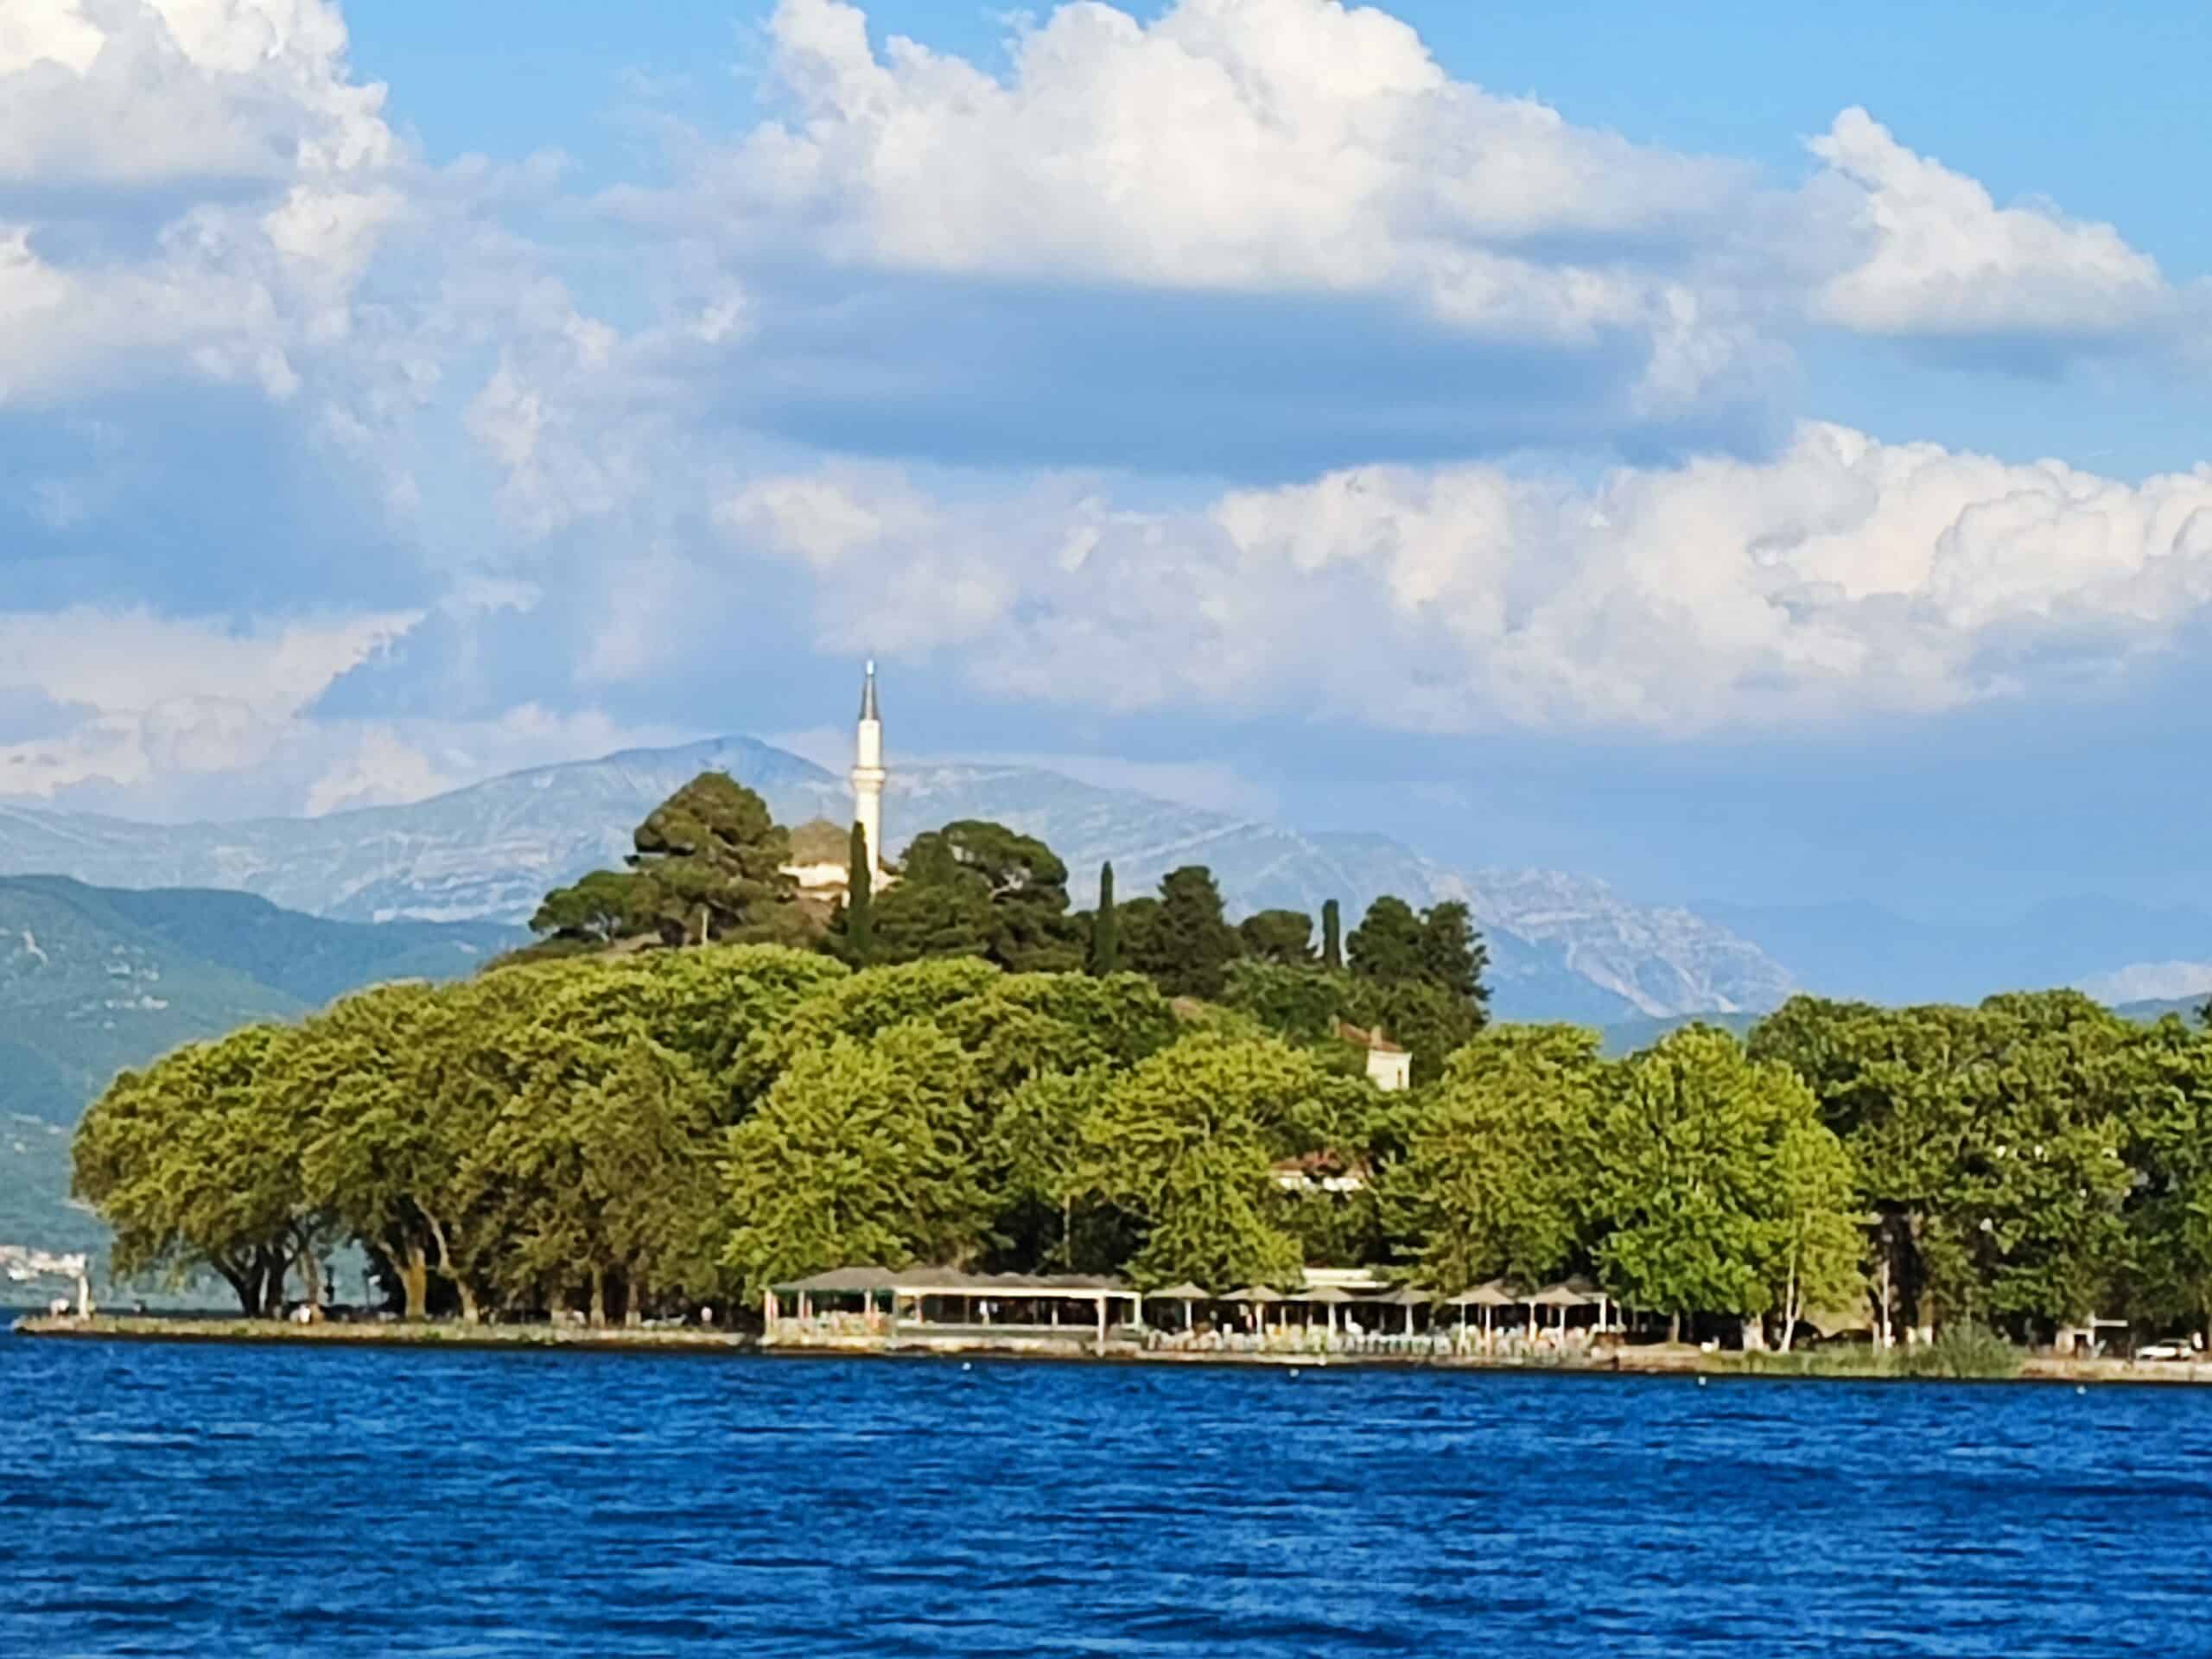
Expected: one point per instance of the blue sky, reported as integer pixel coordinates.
(1744, 451)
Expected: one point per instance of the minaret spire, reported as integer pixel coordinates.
(868, 774)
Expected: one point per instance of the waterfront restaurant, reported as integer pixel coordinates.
(868, 1307)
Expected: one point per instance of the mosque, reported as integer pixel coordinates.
(821, 850)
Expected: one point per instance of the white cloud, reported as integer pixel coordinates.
(135, 696)
(1939, 258)
(381, 763)
(268, 174)
(1844, 577)
(134, 93)
(2149, 982)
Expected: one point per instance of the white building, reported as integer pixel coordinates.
(821, 850)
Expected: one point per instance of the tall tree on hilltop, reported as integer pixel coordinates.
(1189, 945)
(1284, 935)
(978, 888)
(1453, 954)
(1332, 936)
(596, 911)
(860, 895)
(709, 866)
(712, 862)
(1386, 946)
(1105, 932)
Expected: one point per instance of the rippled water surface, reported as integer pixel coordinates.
(227, 1501)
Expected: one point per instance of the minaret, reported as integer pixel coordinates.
(867, 775)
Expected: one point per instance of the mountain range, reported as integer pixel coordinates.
(93, 980)
(1561, 946)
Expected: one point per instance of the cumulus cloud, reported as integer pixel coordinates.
(1230, 200)
(1938, 258)
(134, 694)
(1843, 577)
(187, 187)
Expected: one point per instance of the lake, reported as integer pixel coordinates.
(225, 1501)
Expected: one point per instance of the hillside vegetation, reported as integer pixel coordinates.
(96, 980)
(694, 1087)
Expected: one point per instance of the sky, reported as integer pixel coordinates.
(1745, 453)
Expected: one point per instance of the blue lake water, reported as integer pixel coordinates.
(216, 1501)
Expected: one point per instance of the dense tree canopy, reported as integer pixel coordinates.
(675, 1107)
(978, 888)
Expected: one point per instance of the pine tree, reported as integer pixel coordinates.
(859, 887)
(1105, 931)
(1332, 940)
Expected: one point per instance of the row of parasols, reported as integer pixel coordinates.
(1497, 1293)
(1555, 1300)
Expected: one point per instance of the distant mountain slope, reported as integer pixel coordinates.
(1564, 947)
(94, 980)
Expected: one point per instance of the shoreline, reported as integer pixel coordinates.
(1656, 1361)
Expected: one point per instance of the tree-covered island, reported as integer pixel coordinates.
(700, 1082)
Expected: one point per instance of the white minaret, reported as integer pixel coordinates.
(867, 775)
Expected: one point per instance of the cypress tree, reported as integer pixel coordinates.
(1105, 931)
(1332, 936)
(859, 891)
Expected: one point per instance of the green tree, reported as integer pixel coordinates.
(1452, 955)
(604, 907)
(862, 1152)
(710, 862)
(1188, 943)
(1105, 936)
(1184, 1144)
(2170, 1213)
(376, 1151)
(1302, 1001)
(1987, 1144)
(859, 916)
(1332, 946)
(978, 888)
(1278, 936)
(194, 1164)
(1496, 1173)
(1388, 946)
(1704, 1164)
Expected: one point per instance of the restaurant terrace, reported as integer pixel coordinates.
(1338, 1313)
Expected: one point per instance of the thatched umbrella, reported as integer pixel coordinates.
(1593, 1291)
(1561, 1296)
(1331, 1297)
(1489, 1298)
(1186, 1292)
(1408, 1297)
(1259, 1295)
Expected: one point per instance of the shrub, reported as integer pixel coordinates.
(1962, 1351)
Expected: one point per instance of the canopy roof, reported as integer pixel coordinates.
(1560, 1295)
(1496, 1293)
(1254, 1293)
(845, 1279)
(1406, 1296)
(1186, 1291)
(953, 1279)
(1321, 1293)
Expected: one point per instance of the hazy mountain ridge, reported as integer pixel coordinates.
(1562, 946)
(95, 980)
